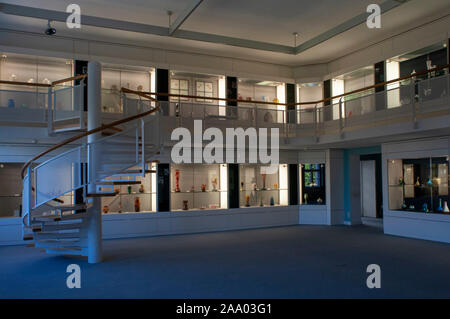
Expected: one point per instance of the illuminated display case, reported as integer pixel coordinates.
(198, 186)
(419, 185)
(312, 184)
(116, 77)
(132, 198)
(259, 189)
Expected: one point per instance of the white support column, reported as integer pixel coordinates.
(94, 228)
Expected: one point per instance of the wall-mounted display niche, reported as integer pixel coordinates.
(260, 189)
(116, 77)
(198, 186)
(30, 69)
(307, 92)
(132, 198)
(205, 85)
(312, 184)
(419, 185)
(33, 69)
(261, 91)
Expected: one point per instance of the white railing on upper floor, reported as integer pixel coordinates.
(23, 105)
(400, 101)
(54, 105)
(403, 103)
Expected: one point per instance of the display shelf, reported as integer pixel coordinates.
(136, 193)
(264, 190)
(419, 185)
(200, 192)
(257, 188)
(187, 181)
(129, 198)
(312, 184)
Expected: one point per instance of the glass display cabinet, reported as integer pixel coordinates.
(312, 184)
(133, 198)
(419, 185)
(259, 189)
(198, 186)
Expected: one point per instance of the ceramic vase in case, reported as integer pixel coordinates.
(137, 204)
(445, 208)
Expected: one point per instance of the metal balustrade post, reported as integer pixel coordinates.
(448, 87)
(81, 103)
(30, 196)
(136, 141)
(159, 121)
(50, 126)
(256, 117)
(124, 104)
(315, 119)
(143, 146)
(413, 103)
(340, 116)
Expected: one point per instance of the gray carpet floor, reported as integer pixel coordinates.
(285, 262)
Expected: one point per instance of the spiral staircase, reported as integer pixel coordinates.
(85, 171)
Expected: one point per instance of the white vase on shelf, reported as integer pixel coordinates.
(445, 208)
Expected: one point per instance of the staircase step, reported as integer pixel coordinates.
(72, 207)
(36, 228)
(57, 227)
(45, 235)
(58, 243)
(102, 194)
(123, 140)
(119, 183)
(28, 237)
(63, 217)
(120, 152)
(67, 251)
(139, 171)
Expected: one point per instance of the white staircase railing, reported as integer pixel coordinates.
(125, 153)
(66, 108)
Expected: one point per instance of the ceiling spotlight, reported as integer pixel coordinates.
(50, 30)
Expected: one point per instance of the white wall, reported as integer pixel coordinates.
(37, 44)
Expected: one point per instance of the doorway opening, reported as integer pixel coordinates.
(371, 190)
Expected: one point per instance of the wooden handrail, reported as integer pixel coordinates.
(78, 77)
(211, 98)
(377, 85)
(96, 130)
(157, 106)
(25, 83)
(73, 78)
(303, 103)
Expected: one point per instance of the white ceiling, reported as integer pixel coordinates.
(261, 20)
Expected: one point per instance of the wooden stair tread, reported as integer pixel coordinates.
(28, 237)
(52, 235)
(119, 183)
(137, 171)
(102, 194)
(65, 248)
(59, 227)
(60, 218)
